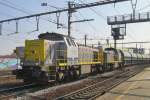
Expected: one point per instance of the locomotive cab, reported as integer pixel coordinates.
(113, 58)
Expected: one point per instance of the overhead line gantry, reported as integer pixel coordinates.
(80, 6)
(71, 8)
(129, 18)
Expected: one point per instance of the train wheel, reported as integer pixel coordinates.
(59, 76)
(72, 73)
(43, 78)
(104, 66)
(26, 81)
(111, 67)
(67, 75)
(92, 70)
(98, 68)
(95, 70)
(75, 75)
(101, 69)
(78, 72)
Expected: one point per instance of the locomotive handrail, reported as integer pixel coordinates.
(83, 60)
(61, 61)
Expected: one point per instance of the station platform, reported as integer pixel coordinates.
(135, 88)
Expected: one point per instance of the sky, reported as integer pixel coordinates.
(97, 29)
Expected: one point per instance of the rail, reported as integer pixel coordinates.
(7, 79)
(16, 88)
(93, 91)
(6, 94)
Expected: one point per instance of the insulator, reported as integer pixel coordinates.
(37, 24)
(58, 16)
(0, 28)
(16, 27)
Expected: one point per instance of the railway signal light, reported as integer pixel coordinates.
(118, 32)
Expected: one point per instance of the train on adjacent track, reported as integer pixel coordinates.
(58, 57)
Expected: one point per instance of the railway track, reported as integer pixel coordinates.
(13, 92)
(99, 87)
(7, 76)
(93, 91)
(6, 79)
(5, 72)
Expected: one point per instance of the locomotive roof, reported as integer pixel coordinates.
(111, 49)
(52, 36)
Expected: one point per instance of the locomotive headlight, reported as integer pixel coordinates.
(21, 63)
(36, 64)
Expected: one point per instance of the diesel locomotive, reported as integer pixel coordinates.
(58, 57)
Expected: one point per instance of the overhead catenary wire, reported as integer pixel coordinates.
(144, 7)
(64, 10)
(5, 4)
(104, 18)
(12, 40)
(20, 10)
(104, 2)
(95, 4)
(91, 26)
(2, 28)
(96, 12)
(5, 14)
(26, 12)
(130, 36)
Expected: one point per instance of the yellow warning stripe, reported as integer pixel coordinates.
(82, 63)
